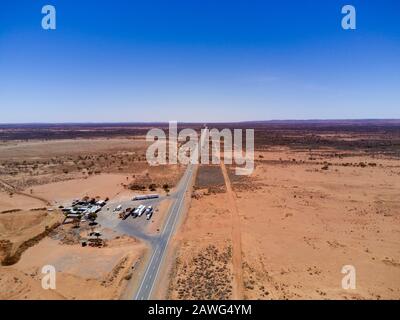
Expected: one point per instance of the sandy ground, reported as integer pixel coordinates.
(283, 233)
(208, 227)
(299, 225)
(17, 228)
(82, 273)
(16, 201)
(16, 150)
(158, 219)
(102, 185)
(24, 165)
(47, 174)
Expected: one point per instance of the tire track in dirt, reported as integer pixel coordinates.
(12, 189)
(236, 238)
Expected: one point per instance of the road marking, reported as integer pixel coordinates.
(174, 223)
(175, 211)
(147, 270)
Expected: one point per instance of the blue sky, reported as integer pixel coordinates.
(202, 61)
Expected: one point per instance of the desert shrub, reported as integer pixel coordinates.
(136, 186)
(92, 216)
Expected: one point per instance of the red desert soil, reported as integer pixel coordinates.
(40, 175)
(20, 230)
(82, 272)
(236, 238)
(302, 217)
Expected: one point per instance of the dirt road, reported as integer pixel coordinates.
(236, 238)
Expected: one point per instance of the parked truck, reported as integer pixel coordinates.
(126, 214)
(136, 211)
(149, 212)
(145, 197)
(141, 210)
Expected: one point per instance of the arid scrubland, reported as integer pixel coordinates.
(37, 176)
(27, 164)
(316, 201)
(320, 197)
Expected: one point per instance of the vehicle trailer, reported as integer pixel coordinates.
(141, 208)
(126, 215)
(149, 212)
(145, 197)
(134, 213)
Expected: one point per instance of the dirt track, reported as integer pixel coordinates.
(13, 190)
(236, 238)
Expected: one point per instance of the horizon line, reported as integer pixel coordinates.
(197, 122)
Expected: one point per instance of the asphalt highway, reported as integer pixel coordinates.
(160, 244)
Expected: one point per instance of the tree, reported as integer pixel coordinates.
(92, 216)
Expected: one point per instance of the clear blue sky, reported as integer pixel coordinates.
(202, 60)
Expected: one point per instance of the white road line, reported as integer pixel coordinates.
(147, 270)
(174, 211)
(170, 234)
(155, 252)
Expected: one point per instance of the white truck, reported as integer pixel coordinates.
(145, 197)
(139, 211)
(149, 212)
(141, 208)
(136, 212)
